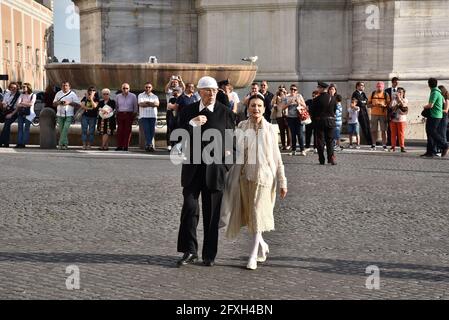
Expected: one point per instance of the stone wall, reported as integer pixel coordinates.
(132, 31)
(298, 41)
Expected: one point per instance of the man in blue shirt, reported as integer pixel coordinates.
(188, 97)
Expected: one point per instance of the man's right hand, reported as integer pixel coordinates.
(200, 120)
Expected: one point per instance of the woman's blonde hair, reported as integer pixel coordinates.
(29, 88)
(106, 90)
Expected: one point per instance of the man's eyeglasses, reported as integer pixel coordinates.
(148, 87)
(293, 89)
(125, 88)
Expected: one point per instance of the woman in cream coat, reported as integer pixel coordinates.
(250, 190)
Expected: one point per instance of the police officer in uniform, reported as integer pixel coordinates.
(323, 117)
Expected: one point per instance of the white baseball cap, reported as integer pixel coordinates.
(207, 83)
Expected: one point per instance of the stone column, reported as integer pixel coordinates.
(47, 126)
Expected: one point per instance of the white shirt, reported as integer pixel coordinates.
(235, 97)
(148, 112)
(353, 115)
(8, 97)
(202, 107)
(28, 98)
(394, 93)
(68, 110)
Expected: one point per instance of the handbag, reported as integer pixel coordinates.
(426, 113)
(78, 115)
(304, 117)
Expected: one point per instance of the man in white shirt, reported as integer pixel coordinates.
(65, 101)
(148, 103)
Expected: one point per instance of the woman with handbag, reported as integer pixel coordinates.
(89, 104)
(398, 121)
(26, 115)
(280, 115)
(250, 190)
(293, 103)
(107, 123)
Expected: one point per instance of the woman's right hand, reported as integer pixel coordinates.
(283, 193)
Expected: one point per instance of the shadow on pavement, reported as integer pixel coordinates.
(402, 271)
(71, 258)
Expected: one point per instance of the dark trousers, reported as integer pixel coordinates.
(171, 126)
(309, 132)
(364, 125)
(296, 128)
(286, 136)
(211, 203)
(325, 135)
(124, 128)
(6, 132)
(443, 126)
(435, 141)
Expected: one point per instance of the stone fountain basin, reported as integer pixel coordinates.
(112, 75)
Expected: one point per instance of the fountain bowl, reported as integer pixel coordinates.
(113, 75)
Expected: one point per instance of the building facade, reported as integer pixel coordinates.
(26, 40)
(300, 41)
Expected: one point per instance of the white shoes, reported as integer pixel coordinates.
(252, 264)
(264, 251)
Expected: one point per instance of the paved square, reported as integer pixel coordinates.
(116, 218)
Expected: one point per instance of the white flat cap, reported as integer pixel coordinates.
(207, 83)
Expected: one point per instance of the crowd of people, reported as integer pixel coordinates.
(383, 110)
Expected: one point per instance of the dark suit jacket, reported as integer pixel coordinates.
(221, 119)
(323, 106)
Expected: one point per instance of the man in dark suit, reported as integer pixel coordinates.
(362, 101)
(392, 92)
(200, 176)
(323, 116)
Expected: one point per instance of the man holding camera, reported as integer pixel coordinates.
(9, 112)
(65, 103)
(175, 87)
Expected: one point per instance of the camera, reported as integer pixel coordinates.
(174, 77)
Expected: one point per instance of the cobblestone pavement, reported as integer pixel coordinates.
(116, 217)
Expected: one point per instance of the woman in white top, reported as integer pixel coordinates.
(398, 121)
(250, 190)
(26, 115)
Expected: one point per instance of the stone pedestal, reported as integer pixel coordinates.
(47, 124)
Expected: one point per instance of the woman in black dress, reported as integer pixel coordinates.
(106, 124)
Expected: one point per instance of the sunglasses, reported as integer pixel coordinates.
(125, 88)
(293, 89)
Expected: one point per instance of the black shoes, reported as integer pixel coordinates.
(187, 258)
(119, 149)
(427, 155)
(209, 263)
(20, 146)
